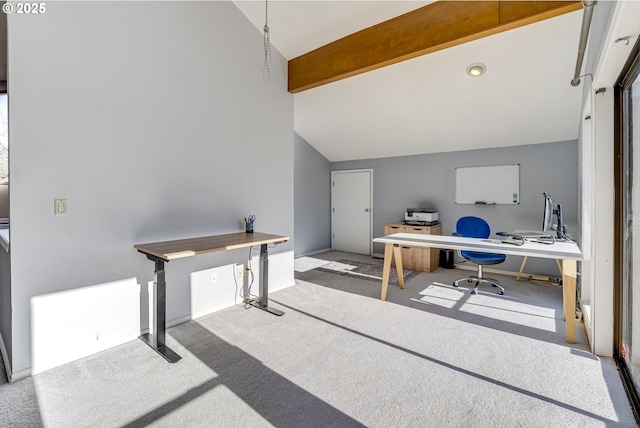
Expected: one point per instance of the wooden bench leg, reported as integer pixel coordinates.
(386, 269)
(524, 261)
(569, 274)
(391, 251)
(397, 252)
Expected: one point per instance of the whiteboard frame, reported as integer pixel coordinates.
(488, 185)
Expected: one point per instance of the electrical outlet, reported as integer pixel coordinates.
(239, 272)
(214, 278)
(60, 207)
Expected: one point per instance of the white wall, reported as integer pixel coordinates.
(605, 60)
(602, 262)
(153, 120)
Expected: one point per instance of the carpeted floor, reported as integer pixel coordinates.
(18, 403)
(430, 356)
(366, 271)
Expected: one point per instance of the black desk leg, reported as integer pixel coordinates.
(263, 296)
(156, 337)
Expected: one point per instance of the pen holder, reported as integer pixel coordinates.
(248, 221)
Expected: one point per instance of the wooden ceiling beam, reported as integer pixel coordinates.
(437, 26)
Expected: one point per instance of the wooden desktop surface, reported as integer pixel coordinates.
(169, 250)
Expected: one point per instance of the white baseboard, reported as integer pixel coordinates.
(585, 307)
(91, 319)
(22, 374)
(5, 358)
(313, 252)
(82, 322)
(201, 314)
(11, 376)
(210, 311)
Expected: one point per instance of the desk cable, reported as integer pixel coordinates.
(249, 300)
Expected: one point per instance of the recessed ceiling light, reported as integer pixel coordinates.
(475, 70)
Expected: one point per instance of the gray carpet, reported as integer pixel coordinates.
(18, 403)
(430, 356)
(367, 271)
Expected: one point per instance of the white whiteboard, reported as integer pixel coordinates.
(498, 184)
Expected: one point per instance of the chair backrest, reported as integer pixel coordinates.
(473, 227)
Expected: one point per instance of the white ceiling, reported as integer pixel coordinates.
(429, 104)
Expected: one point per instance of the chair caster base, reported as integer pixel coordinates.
(475, 290)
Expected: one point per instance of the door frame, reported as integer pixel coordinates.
(627, 75)
(350, 171)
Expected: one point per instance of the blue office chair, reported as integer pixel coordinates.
(475, 227)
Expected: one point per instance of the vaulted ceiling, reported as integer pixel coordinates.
(429, 104)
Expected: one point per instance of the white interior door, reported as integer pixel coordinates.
(351, 202)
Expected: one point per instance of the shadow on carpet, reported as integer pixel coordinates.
(368, 271)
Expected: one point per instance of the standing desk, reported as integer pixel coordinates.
(566, 251)
(162, 252)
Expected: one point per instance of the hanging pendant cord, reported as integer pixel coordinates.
(267, 44)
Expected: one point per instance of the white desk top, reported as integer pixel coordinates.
(568, 250)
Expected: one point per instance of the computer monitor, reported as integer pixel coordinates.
(551, 208)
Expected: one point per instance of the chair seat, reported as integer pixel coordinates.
(483, 258)
(475, 227)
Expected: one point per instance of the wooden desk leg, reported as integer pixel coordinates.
(559, 266)
(524, 261)
(386, 269)
(397, 253)
(569, 273)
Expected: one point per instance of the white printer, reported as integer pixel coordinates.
(420, 216)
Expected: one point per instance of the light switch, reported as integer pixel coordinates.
(60, 207)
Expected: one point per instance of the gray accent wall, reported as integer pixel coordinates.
(429, 181)
(312, 199)
(153, 120)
